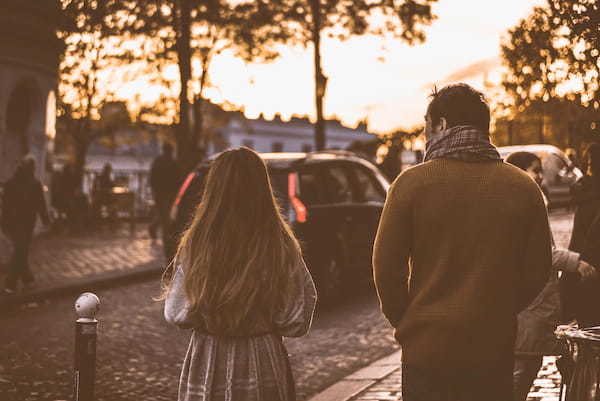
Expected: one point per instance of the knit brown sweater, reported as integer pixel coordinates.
(461, 249)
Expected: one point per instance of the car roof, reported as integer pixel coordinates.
(285, 160)
(537, 149)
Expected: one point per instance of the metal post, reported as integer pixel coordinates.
(86, 306)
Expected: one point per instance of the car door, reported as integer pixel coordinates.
(326, 191)
(369, 199)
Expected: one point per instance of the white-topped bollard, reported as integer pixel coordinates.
(86, 307)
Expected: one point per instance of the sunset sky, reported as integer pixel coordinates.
(387, 81)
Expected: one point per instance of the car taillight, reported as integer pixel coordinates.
(182, 189)
(298, 208)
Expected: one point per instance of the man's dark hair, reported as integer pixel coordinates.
(522, 160)
(459, 104)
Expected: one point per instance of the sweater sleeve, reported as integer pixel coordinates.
(177, 308)
(296, 314)
(537, 261)
(391, 252)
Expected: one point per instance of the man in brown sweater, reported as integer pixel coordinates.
(463, 245)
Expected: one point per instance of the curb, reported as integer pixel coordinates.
(360, 380)
(97, 281)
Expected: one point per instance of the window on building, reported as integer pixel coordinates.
(306, 148)
(277, 147)
(249, 143)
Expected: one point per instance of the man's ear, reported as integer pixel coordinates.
(443, 124)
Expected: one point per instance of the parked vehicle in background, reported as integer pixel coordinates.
(333, 201)
(559, 171)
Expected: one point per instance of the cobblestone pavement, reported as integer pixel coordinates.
(140, 355)
(57, 258)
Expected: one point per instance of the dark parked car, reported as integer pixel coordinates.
(559, 172)
(333, 201)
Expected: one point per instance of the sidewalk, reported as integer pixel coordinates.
(382, 381)
(68, 263)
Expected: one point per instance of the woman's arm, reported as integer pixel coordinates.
(177, 307)
(295, 316)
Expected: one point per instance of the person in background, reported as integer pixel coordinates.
(536, 324)
(581, 298)
(572, 156)
(102, 192)
(164, 182)
(240, 282)
(463, 245)
(23, 201)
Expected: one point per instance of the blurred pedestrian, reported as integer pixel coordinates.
(164, 181)
(536, 324)
(102, 193)
(463, 245)
(581, 298)
(572, 156)
(241, 283)
(23, 201)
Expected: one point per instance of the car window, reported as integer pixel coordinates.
(368, 189)
(552, 164)
(336, 184)
(324, 185)
(310, 191)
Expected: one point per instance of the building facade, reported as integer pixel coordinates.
(29, 58)
(295, 135)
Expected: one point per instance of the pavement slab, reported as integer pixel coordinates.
(63, 263)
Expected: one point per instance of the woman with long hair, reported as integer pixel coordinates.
(240, 283)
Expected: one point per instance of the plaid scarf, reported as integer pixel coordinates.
(463, 142)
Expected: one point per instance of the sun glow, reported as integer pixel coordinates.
(381, 80)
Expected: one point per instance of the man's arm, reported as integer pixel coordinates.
(391, 252)
(537, 261)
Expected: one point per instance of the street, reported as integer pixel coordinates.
(140, 355)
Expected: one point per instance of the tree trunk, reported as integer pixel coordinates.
(510, 132)
(81, 149)
(541, 129)
(320, 78)
(183, 133)
(201, 142)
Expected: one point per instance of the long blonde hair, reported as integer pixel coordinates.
(238, 251)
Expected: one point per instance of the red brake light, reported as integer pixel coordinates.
(297, 205)
(182, 189)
